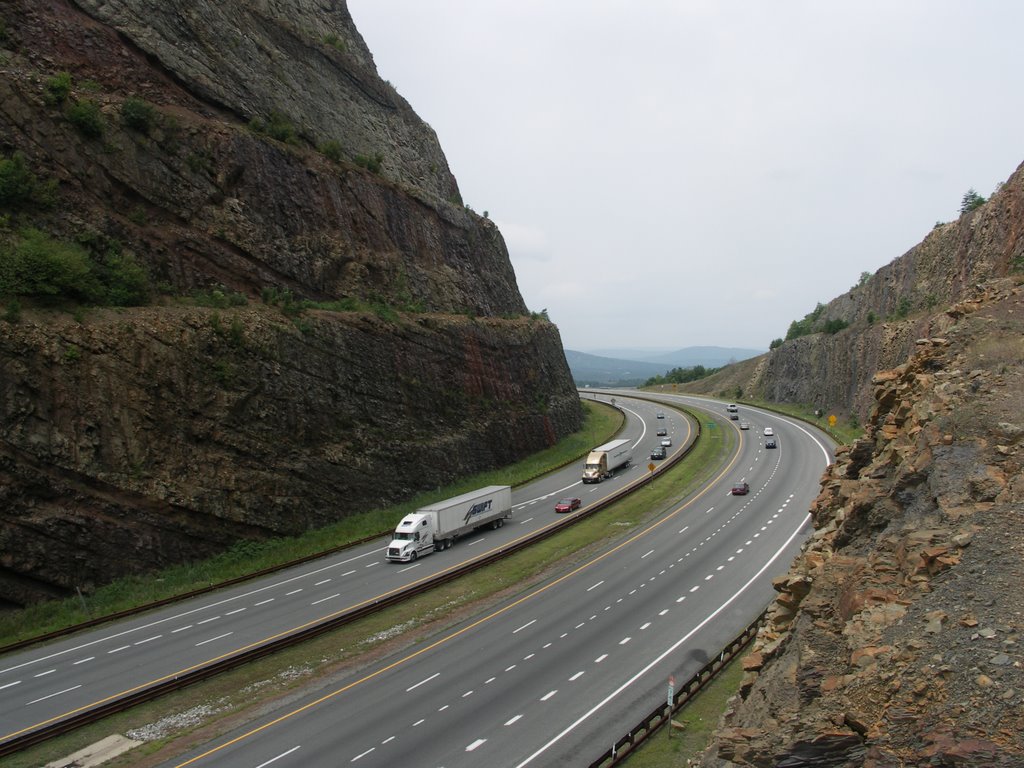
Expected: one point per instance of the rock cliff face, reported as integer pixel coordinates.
(896, 636)
(887, 313)
(273, 164)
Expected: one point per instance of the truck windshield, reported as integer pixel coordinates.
(402, 536)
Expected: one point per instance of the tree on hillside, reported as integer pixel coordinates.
(971, 201)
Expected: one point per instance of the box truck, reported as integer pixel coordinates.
(605, 459)
(437, 526)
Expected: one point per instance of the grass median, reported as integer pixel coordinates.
(247, 557)
(200, 713)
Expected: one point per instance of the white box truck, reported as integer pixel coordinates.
(605, 459)
(437, 526)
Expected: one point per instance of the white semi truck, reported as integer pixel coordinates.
(437, 526)
(605, 459)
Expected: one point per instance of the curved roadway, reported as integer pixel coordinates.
(50, 683)
(555, 675)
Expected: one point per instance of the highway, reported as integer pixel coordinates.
(49, 683)
(557, 673)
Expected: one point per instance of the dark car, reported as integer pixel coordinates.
(661, 415)
(568, 504)
(740, 489)
(662, 431)
(659, 453)
(770, 443)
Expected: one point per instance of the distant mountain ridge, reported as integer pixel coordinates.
(631, 367)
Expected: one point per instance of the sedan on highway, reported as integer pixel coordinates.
(770, 443)
(662, 431)
(667, 442)
(659, 453)
(741, 489)
(568, 504)
(768, 432)
(744, 425)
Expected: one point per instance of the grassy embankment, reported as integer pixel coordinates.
(249, 556)
(235, 697)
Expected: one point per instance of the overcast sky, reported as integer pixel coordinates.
(673, 173)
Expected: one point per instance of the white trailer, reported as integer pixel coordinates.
(437, 526)
(605, 459)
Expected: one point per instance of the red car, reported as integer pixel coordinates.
(740, 489)
(568, 505)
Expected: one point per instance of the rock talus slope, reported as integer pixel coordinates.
(896, 638)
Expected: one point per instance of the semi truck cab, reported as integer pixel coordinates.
(412, 536)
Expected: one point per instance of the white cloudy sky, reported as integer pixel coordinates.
(670, 173)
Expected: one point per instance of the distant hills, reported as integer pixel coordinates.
(632, 367)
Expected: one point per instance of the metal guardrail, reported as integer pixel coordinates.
(95, 622)
(162, 687)
(663, 714)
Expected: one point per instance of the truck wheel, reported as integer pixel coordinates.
(413, 556)
(501, 521)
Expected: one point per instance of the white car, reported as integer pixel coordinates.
(768, 432)
(744, 425)
(666, 441)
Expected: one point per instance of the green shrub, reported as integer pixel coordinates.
(970, 201)
(12, 312)
(332, 151)
(334, 41)
(57, 88)
(20, 187)
(871, 318)
(834, 326)
(372, 163)
(85, 115)
(903, 308)
(35, 264)
(138, 114)
(16, 180)
(276, 126)
(776, 343)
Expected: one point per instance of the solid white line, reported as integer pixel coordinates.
(275, 759)
(409, 568)
(421, 682)
(601, 658)
(596, 585)
(419, 722)
(534, 621)
(122, 648)
(577, 676)
(364, 754)
(466, 694)
(527, 520)
(347, 573)
(625, 640)
(514, 719)
(264, 602)
(645, 626)
(649, 553)
(58, 693)
(82, 661)
(44, 674)
(8, 685)
(548, 695)
(389, 738)
(214, 618)
(148, 639)
(181, 629)
(218, 637)
(232, 613)
(475, 744)
(671, 649)
(189, 612)
(319, 583)
(286, 594)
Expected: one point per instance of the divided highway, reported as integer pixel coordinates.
(48, 684)
(555, 675)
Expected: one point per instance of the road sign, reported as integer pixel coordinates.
(651, 467)
(671, 689)
(832, 420)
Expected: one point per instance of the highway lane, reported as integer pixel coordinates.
(49, 683)
(555, 675)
